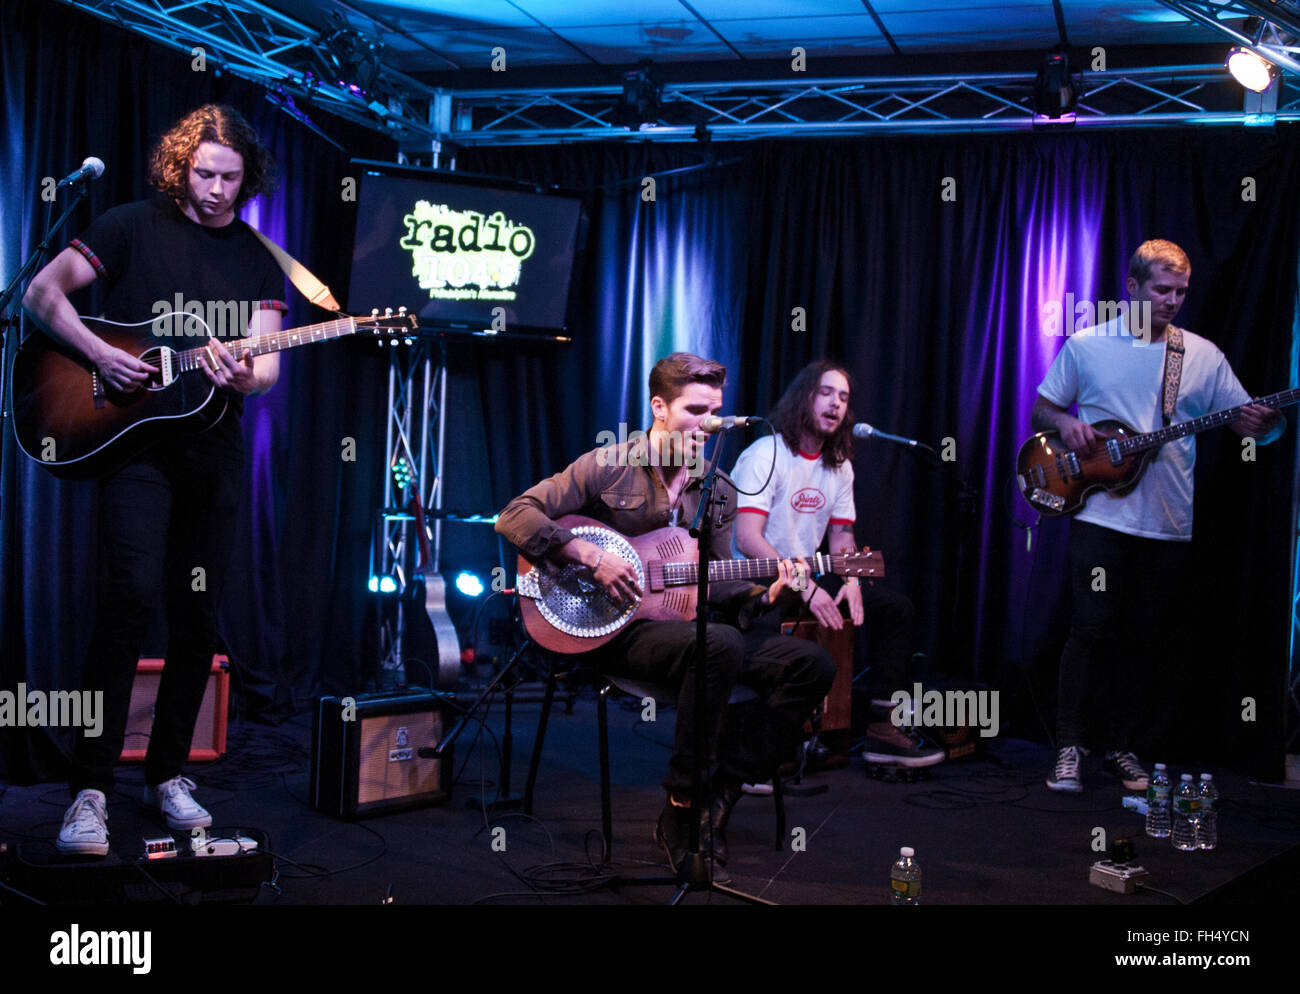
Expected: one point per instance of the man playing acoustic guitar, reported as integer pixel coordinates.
(167, 517)
(645, 484)
(1140, 539)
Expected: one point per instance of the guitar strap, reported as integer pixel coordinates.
(301, 277)
(1173, 372)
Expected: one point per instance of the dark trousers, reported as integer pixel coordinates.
(889, 623)
(791, 677)
(166, 528)
(1125, 636)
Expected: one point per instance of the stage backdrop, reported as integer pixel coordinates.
(926, 265)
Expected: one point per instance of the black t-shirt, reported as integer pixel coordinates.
(157, 261)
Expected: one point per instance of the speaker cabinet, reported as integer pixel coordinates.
(365, 753)
(209, 741)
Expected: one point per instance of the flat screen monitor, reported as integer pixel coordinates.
(464, 256)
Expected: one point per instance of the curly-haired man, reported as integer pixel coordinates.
(166, 517)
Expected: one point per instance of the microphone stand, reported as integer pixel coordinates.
(27, 269)
(965, 497)
(7, 298)
(694, 871)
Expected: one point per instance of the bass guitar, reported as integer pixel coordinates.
(76, 426)
(565, 610)
(1057, 480)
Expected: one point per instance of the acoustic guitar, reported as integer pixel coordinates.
(76, 426)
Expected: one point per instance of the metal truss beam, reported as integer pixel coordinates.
(1272, 35)
(1147, 97)
(293, 59)
(256, 42)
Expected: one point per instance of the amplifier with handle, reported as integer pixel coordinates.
(365, 756)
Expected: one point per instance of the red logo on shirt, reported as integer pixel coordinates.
(808, 500)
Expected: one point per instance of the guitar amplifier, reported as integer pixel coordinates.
(365, 756)
(209, 741)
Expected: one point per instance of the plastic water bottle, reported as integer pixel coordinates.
(1207, 825)
(1158, 796)
(1186, 807)
(905, 878)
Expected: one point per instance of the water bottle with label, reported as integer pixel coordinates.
(1207, 825)
(1158, 797)
(1186, 808)
(905, 878)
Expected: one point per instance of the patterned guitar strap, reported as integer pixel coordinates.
(1173, 372)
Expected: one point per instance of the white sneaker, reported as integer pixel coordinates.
(85, 825)
(1065, 775)
(172, 798)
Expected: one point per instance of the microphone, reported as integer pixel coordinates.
(92, 168)
(864, 430)
(711, 424)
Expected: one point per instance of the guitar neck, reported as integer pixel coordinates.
(276, 342)
(677, 574)
(1154, 439)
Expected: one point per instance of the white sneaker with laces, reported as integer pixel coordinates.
(172, 798)
(1065, 775)
(1126, 766)
(85, 825)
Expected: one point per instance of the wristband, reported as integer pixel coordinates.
(596, 565)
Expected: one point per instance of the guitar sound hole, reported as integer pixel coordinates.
(162, 359)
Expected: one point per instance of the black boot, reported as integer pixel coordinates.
(724, 801)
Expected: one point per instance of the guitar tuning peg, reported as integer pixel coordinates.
(402, 311)
(388, 312)
(374, 312)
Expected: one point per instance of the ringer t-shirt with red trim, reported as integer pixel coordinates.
(152, 260)
(802, 498)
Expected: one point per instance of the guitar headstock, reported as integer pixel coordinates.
(868, 564)
(398, 326)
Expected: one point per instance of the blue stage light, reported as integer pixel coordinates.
(469, 584)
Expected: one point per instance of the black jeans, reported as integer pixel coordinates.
(889, 625)
(1125, 636)
(166, 528)
(790, 675)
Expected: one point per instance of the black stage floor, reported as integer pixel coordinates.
(986, 830)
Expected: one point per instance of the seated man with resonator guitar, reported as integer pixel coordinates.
(1126, 381)
(632, 599)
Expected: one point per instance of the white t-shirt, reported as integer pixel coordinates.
(803, 497)
(1111, 374)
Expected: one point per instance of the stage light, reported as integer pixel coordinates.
(638, 104)
(382, 585)
(1056, 94)
(1250, 69)
(469, 584)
